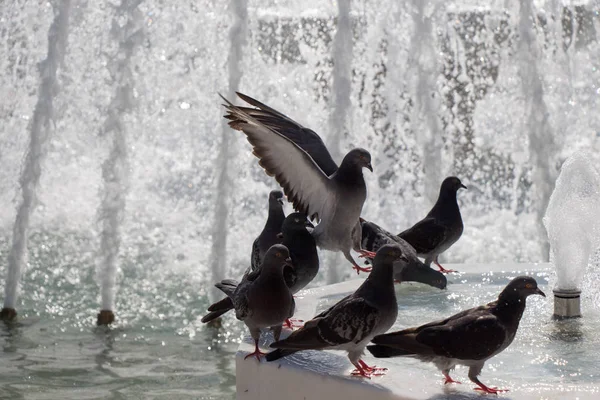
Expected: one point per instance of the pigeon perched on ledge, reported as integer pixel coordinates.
(352, 322)
(303, 251)
(263, 301)
(269, 235)
(336, 200)
(442, 226)
(408, 268)
(468, 338)
(295, 235)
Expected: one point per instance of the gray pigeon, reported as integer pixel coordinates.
(336, 200)
(408, 268)
(468, 338)
(265, 301)
(269, 235)
(303, 269)
(303, 251)
(351, 323)
(442, 226)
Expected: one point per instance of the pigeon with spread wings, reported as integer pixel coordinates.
(336, 200)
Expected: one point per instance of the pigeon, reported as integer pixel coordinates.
(440, 228)
(408, 267)
(352, 322)
(304, 265)
(267, 238)
(269, 235)
(468, 338)
(303, 251)
(335, 200)
(263, 301)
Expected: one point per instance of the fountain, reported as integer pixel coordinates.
(573, 229)
(122, 192)
(39, 130)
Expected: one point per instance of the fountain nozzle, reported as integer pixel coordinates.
(105, 317)
(8, 314)
(567, 303)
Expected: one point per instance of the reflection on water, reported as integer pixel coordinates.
(158, 347)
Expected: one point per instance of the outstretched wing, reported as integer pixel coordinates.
(304, 183)
(425, 235)
(307, 139)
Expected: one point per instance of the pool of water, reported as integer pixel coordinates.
(546, 357)
(157, 349)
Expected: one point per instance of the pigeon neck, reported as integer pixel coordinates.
(446, 201)
(510, 307)
(275, 218)
(272, 273)
(381, 278)
(349, 173)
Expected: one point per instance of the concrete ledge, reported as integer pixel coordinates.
(316, 375)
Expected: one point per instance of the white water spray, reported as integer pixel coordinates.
(115, 168)
(237, 36)
(338, 119)
(541, 138)
(426, 121)
(39, 131)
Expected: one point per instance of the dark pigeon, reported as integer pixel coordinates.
(265, 301)
(468, 338)
(351, 323)
(269, 235)
(295, 235)
(303, 251)
(442, 226)
(335, 200)
(408, 268)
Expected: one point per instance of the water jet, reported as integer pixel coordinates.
(573, 231)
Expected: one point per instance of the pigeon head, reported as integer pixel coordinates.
(359, 158)
(522, 286)
(421, 273)
(452, 184)
(296, 222)
(388, 254)
(277, 257)
(276, 198)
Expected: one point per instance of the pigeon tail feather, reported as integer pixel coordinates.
(381, 351)
(279, 353)
(213, 315)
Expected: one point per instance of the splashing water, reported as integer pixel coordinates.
(115, 169)
(39, 131)
(573, 219)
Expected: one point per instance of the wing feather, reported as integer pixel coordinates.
(303, 182)
(306, 138)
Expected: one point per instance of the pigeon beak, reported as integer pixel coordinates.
(463, 186)
(309, 226)
(369, 167)
(538, 291)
